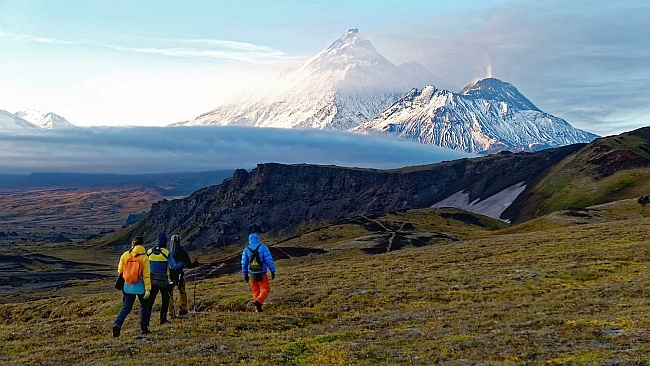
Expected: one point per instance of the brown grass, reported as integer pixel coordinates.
(105, 207)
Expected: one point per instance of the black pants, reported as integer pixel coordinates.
(127, 304)
(164, 292)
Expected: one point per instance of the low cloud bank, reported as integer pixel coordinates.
(139, 150)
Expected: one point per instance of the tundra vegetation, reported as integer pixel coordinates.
(441, 286)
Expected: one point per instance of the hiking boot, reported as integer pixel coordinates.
(116, 331)
(182, 312)
(163, 321)
(258, 306)
(146, 331)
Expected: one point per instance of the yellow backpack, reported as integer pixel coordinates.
(255, 263)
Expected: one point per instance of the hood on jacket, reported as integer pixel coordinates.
(253, 240)
(138, 250)
(161, 240)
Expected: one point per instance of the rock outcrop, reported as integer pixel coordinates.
(280, 199)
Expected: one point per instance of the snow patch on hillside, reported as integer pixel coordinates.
(492, 206)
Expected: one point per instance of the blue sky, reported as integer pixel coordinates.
(152, 63)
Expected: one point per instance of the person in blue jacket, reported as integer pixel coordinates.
(257, 277)
(160, 263)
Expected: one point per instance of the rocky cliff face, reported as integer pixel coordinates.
(278, 199)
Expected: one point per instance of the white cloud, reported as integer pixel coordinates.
(168, 149)
(204, 48)
(238, 54)
(230, 44)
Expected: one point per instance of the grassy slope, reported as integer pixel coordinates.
(579, 181)
(576, 293)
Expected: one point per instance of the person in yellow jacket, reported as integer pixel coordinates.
(141, 289)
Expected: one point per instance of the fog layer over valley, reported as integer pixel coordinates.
(138, 150)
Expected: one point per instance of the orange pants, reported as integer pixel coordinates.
(182, 297)
(260, 289)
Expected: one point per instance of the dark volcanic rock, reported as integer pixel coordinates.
(133, 218)
(60, 238)
(276, 198)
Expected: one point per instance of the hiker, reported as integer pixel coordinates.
(254, 269)
(141, 288)
(178, 275)
(161, 263)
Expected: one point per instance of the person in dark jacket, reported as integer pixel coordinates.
(258, 279)
(161, 263)
(178, 276)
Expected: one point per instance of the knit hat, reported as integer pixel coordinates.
(161, 240)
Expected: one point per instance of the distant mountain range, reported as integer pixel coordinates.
(47, 120)
(30, 120)
(167, 184)
(10, 122)
(350, 86)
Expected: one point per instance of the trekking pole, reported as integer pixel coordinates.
(194, 300)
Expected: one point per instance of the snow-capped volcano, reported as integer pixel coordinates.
(10, 122)
(343, 86)
(47, 120)
(485, 117)
(496, 90)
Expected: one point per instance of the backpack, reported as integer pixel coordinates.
(156, 252)
(159, 279)
(255, 263)
(132, 270)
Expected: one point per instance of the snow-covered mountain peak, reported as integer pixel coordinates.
(351, 57)
(350, 46)
(350, 36)
(47, 120)
(346, 84)
(418, 96)
(10, 122)
(485, 117)
(427, 92)
(485, 85)
(496, 90)
(349, 42)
